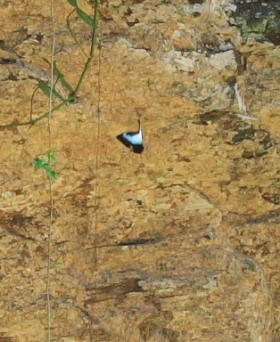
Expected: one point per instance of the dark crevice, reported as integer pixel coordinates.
(138, 242)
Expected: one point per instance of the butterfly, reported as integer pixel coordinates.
(133, 139)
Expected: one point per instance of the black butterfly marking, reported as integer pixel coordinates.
(133, 139)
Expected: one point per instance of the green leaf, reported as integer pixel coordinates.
(60, 75)
(86, 18)
(39, 163)
(51, 156)
(46, 89)
(42, 164)
(57, 264)
(50, 172)
(73, 3)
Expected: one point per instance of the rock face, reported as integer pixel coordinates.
(179, 243)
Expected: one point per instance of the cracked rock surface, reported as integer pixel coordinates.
(179, 243)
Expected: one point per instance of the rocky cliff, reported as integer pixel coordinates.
(179, 243)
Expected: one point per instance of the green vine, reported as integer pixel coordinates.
(92, 21)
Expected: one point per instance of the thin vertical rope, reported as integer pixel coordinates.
(51, 218)
(97, 155)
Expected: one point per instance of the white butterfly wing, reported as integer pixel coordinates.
(135, 139)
